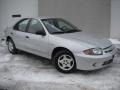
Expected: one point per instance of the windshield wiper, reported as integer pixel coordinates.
(57, 32)
(71, 31)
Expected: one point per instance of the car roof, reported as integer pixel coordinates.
(42, 17)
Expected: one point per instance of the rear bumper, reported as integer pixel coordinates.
(86, 62)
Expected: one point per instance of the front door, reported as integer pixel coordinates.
(37, 43)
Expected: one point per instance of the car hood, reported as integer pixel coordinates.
(90, 39)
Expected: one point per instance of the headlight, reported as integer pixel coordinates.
(93, 51)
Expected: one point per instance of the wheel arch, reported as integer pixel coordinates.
(57, 49)
(8, 37)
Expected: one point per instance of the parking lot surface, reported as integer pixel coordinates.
(25, 71)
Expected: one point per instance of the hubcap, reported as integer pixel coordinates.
(10, 46)
(65, 62)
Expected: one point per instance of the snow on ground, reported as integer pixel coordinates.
(25, 71)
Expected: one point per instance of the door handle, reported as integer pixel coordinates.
(11, 33)
(27, 36)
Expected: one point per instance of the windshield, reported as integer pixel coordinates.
(59, 26)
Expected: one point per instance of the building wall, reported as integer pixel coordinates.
(90, 15)
(0, 17)
(27, 8)
(115, 19)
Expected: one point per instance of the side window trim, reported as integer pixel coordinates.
(27, 28)
(28, 25)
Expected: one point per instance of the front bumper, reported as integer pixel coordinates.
(87, 62)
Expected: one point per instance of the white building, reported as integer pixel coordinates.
(97, 16)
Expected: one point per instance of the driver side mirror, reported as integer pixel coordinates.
(41, 32)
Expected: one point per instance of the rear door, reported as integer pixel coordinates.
(19, 34)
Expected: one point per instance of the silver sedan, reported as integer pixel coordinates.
(68, 47)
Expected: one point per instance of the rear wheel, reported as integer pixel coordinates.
(11, 46)
(65, 62)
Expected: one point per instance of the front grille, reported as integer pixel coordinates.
(108, 49)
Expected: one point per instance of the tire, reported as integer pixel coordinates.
(11, 47)
(64, 62)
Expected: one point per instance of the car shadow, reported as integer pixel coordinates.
(47, 63)
(97, 71)
(35, 58)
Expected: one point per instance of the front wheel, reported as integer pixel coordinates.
(65, 62)
(11, 46)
